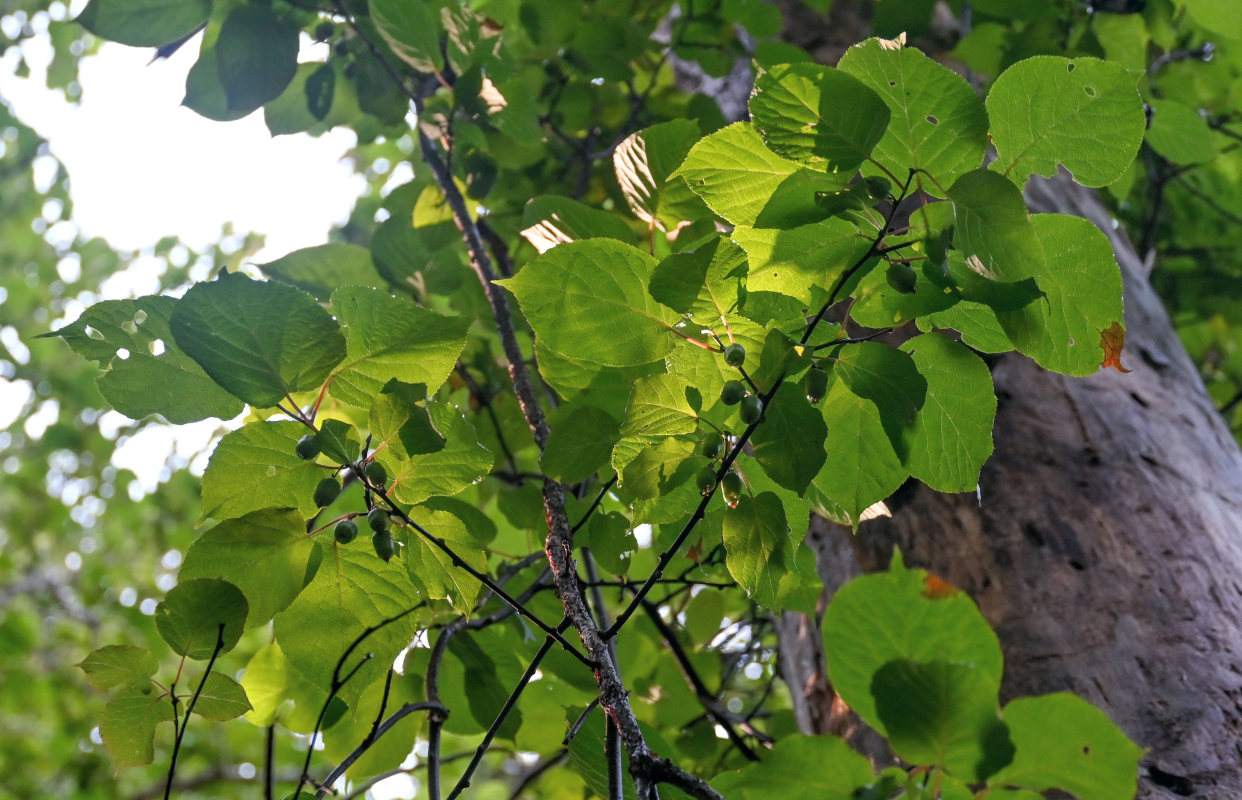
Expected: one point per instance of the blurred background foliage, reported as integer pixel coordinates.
(85, 551)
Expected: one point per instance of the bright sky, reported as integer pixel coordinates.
(142, 167)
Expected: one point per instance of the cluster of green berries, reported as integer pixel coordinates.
(730, 485)
(328, 489)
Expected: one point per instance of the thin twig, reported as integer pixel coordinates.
(185, 721)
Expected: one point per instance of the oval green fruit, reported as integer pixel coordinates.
(752, 409)
(377, 518)
(731, 488)
(712, 446)
(345, 531)
(706, 480)
(383, 543)
(327, 491)
(376, 473)
(816, 384)
(735, 355)
(307, 447)
(901, 277)
(732, 393)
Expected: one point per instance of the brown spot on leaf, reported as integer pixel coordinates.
(1112, 342)
(935, 588)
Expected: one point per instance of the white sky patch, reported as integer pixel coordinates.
(143, 167)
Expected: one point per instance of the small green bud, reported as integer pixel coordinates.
(377, 518)
(307, 447)
(731, 488)
(383, 543)
(706, 480)
(345, 531)
(752, 409)
(735, 355)
(816, 384)
(732, 393)
(376, 473)
(327, 491)
(901, 277)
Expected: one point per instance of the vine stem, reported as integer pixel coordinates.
(185, 720)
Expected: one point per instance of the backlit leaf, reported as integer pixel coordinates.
(760, 550)
(196, 616)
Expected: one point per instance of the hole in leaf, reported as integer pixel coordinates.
(92, 333)
(156, 347)
(129, 326)
(271, 471)
(1090, 90)
(1086, 750)
(892, 83)
(122, 354)
(1070, 67)
(140, 316)
(932, 120)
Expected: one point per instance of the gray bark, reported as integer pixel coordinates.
(1107, 549)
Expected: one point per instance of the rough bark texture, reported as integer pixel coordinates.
(1107, 550)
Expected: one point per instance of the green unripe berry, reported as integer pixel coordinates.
(732, 393)
(712, 446)
(735, 355)
(878, 187)
(731, 488)
(327, 491)
(345, 531)
(383, 543)
(752, 409)
(377, 518)
(816, 384)
(706, 480)
(901, 277)
(307, 447)
(376, 473)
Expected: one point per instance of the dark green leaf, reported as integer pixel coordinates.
(409, 28)
(818, 115)
(260, 341)
(942, 714)
(579, 444)
(800, 768)
(197, 615)
(127, 725)
(118, 665)
(323, 269)
(222, 699)
(789, 445)
(256, 55)
(144, 23)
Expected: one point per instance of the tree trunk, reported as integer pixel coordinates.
(1107, 547)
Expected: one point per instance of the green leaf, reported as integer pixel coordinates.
(352, 591)
(1082, 287)
(256, 56)
(256, 467)
(260, 341)
(264, 553)
(291, 113)
(127, 725)
(416, 471)
(586, 757)
(864, 468)
(760, 551)
(485, 682)
(1064, 742)
(338, 441)
(992, 229)
(658, 408)
(800, 768)
(938, 122)
(588, 301)
(144, 23)
(1180, 133)
(796, 260)
(147, 373)
(942, 714)
(659, 468)
(204, 94)
(118, 665)
(789, 445)
(198, 614)
(551, 220)
(1217, 16)
(388, 338)
(321, 270)
(746, 183)
(410, 30)
(702, 284)
(886, 377)
(952, 435)
(434, 570)
(222, 699)
(611, 541)
(580, 443)
(645, 161)
(1083, 114)
(899, 614)
(265, 681)
(818, 115)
